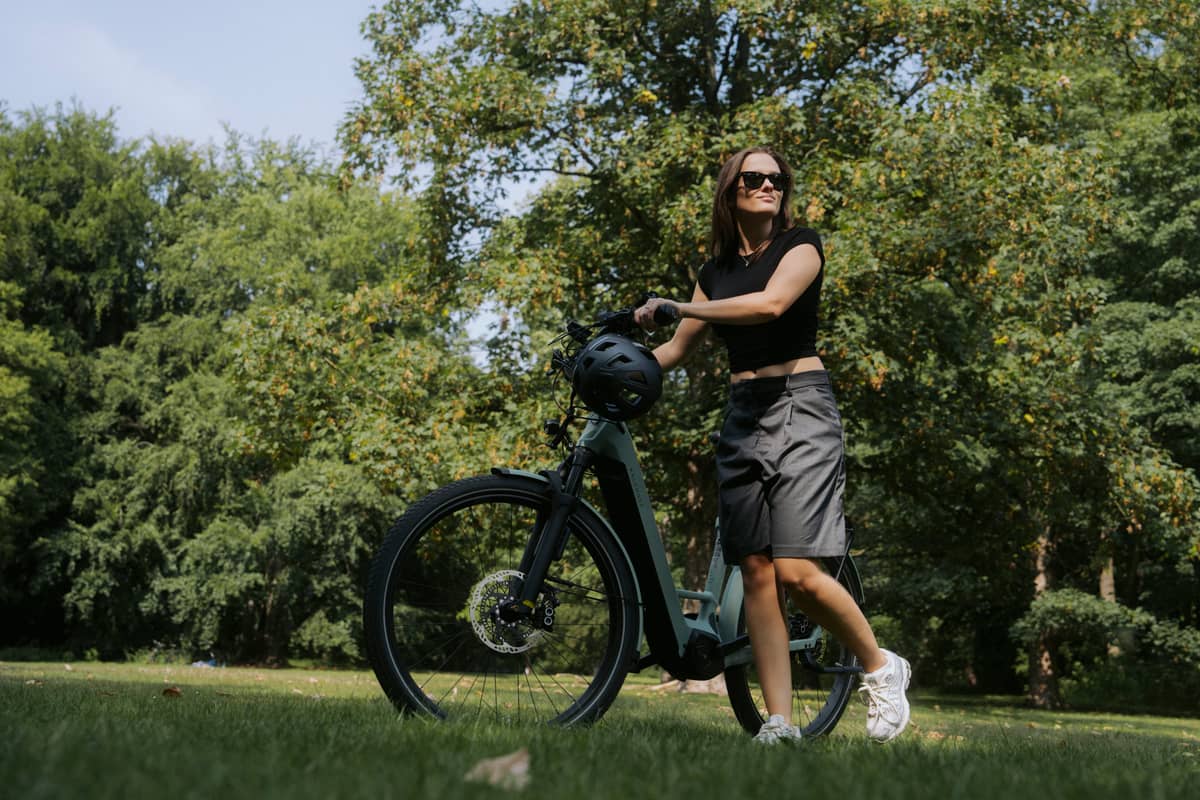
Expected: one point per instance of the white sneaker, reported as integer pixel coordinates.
(776, 729)
(883, 692)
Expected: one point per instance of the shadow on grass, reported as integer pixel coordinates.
(1020, 704)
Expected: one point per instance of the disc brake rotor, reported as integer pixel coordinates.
(484, 605)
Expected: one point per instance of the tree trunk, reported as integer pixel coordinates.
(1108, 593)
(1108, 582)
(1043, 680)
(275, 622)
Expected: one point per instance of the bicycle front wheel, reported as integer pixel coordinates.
(823, 676)
(435, 638)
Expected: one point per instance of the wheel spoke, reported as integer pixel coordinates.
(445, 662)
(549, 697)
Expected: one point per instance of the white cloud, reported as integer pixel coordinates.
(102, 73)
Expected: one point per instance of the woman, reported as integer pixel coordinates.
(779, 463)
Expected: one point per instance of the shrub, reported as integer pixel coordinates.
(1109, 655)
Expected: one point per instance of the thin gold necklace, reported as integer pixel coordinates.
(748, 258)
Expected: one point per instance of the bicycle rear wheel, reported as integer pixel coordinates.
(435, 640)
(818, 698)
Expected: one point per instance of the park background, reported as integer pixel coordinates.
(226, 368)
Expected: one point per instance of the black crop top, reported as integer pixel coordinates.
(794, 333)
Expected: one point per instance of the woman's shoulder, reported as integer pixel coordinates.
(713, 266)
(798, 235)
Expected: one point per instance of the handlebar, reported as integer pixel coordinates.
(619, 322)
(666, 314)
(577, 336)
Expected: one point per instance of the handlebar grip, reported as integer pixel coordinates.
(666, 314)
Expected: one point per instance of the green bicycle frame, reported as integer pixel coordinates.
(688, 646)
(670, 635)
(623, 488)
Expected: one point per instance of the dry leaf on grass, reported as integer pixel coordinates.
(711, 686)
(714, 686)
(172, 691)
(507, 772)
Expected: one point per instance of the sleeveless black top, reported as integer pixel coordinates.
(794, 333)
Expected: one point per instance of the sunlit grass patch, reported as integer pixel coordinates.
(106, 730)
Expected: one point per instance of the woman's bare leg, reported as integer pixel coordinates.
(768, 634)
(827, 603)
(817, 594)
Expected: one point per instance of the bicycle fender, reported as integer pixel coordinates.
(587, 509)
(731, 606)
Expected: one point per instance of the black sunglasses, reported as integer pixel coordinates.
(753, 180)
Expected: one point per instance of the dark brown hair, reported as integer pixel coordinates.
(725, 241)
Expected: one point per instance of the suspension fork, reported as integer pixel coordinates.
(548, 540)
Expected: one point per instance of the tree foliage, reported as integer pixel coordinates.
(34, 450)
(955, 156)
(226, 369)
(228, 494)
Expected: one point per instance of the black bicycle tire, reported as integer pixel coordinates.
(395, 676)
(742, 699)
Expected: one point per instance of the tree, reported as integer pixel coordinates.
(159, 462)
(1125, 86)
(953, 281)
(246, 446)
(77, 197)
(34, 458)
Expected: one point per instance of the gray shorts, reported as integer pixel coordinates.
(781, 469)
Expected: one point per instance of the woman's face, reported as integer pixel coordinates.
(766, 198)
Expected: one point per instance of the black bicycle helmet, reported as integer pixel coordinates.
(617, 378)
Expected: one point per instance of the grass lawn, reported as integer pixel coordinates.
(137, 730)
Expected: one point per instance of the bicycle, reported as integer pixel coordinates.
(511, 596)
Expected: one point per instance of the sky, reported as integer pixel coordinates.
(273, 69)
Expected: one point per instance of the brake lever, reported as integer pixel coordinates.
(560, 362)
(619, 322)
(580, 333)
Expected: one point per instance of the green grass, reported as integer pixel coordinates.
(106, 730)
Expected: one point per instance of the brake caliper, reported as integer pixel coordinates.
(543, 614)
